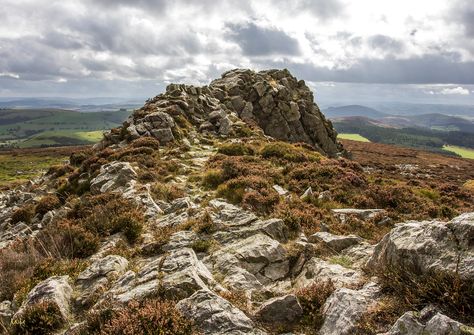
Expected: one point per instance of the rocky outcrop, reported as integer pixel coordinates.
(427, 246)
(276, 101)
(280, 104)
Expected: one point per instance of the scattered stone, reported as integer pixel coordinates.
(280, 310)
(321, 270)
(363, 214)
(307, 194)
(6, 313)
(335, 242)
(280, 190)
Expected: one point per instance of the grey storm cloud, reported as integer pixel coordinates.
(385, 43)
(462, 11)
(324, 9)
(428, 69)
(259, 41)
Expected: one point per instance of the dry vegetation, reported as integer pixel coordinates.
(244, 174)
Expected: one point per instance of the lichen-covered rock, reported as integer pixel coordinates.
(344, 308)
(428, 246)
(114, 176)
(317, 270)
(215, 315)
(94, 280)
(428, 322)
(280, 310)
(178, 274)
(55, 290)
(335, 242)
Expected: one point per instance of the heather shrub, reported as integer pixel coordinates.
(46, 204)
(57, 171)
(380, 316)
(236, 149)
(453, 294)
(234, 189)
(16, 266)
(77, 158)
(23, 214)
(289, 152)
(166, 192)
(130, 225)
(203, 224)
(201, 245)
(149, 317)
(41, 318)
(212, 178)
(108, 213)
(66, 239)
(149, 142)
(312, 299)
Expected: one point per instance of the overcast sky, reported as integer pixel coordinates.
(403, 49)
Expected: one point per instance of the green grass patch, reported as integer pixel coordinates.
(353, 137)
(17, 168)
(61, 138)
(461, 151)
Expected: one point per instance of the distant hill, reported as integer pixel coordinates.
(353, 110)
(35, 127)
(433, 121)
(422, 138)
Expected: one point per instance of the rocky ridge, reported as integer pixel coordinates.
(225, 268)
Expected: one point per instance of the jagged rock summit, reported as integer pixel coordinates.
(274, 100)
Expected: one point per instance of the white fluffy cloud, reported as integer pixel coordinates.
(70, 43)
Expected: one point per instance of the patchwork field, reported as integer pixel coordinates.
(463, 152)
(353, 137)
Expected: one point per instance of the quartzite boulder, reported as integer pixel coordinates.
(422, 247)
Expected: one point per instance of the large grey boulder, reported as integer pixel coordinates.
(422, 247)
(177, 275)
(344, 308)
(215, 315)
(262, 257)
(114, 176)
(428, 322)
(280, 310)
(55, 290)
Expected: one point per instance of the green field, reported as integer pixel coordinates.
(353, 137)
(26, 128)
(463, 152)
(62, 137)
(21, 165)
